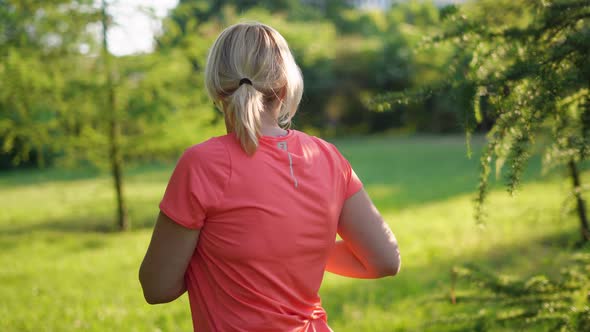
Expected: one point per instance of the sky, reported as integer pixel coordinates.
(134, 30)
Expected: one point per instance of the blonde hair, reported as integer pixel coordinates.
(258, 53)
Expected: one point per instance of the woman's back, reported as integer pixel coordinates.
(267, 231)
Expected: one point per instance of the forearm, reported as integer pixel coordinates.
(342, 261)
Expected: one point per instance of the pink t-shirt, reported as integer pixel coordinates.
(267, 224)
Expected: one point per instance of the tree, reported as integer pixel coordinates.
(155, 107)
(529, 64)
(64, 98)
(114, 123)
(38, 42)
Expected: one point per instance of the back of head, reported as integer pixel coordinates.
(250, 70)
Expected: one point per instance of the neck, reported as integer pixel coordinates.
(273, 131)
(270, 126)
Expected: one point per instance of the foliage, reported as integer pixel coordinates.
(65, 98)
(536, 78)
(536, 303)
(347, 55)
(52, 80)
(527, 70)
(52, 101)
(32, 94)
(429, 100)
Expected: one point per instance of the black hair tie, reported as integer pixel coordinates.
(245, 81)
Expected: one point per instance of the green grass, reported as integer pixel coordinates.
(63, 267)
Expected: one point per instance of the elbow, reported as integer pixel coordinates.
(154, 294)
(391, 266)
(149, 294)
(152, 299)
(390, 270)
(396, 267)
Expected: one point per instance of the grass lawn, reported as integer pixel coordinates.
(64, 269)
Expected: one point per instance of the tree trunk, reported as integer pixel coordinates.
(114, 127)
(581, 205)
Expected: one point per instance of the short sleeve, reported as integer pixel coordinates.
(353, 183)
(197, 184)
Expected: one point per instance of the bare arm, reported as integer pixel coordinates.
(162, 271)
(368, 248)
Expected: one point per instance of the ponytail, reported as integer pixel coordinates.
(252, 52)
(243, 116)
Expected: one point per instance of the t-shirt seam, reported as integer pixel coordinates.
(181, 221)
(355, 191)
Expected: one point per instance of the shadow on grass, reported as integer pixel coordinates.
(405, 172)
(75, 225)
(31, 176)
(432, 282)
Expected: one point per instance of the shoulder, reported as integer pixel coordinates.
(197, 183)
(210, 159)
(328, 147)
(210, 151)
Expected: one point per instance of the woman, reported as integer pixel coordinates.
(248, 222)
